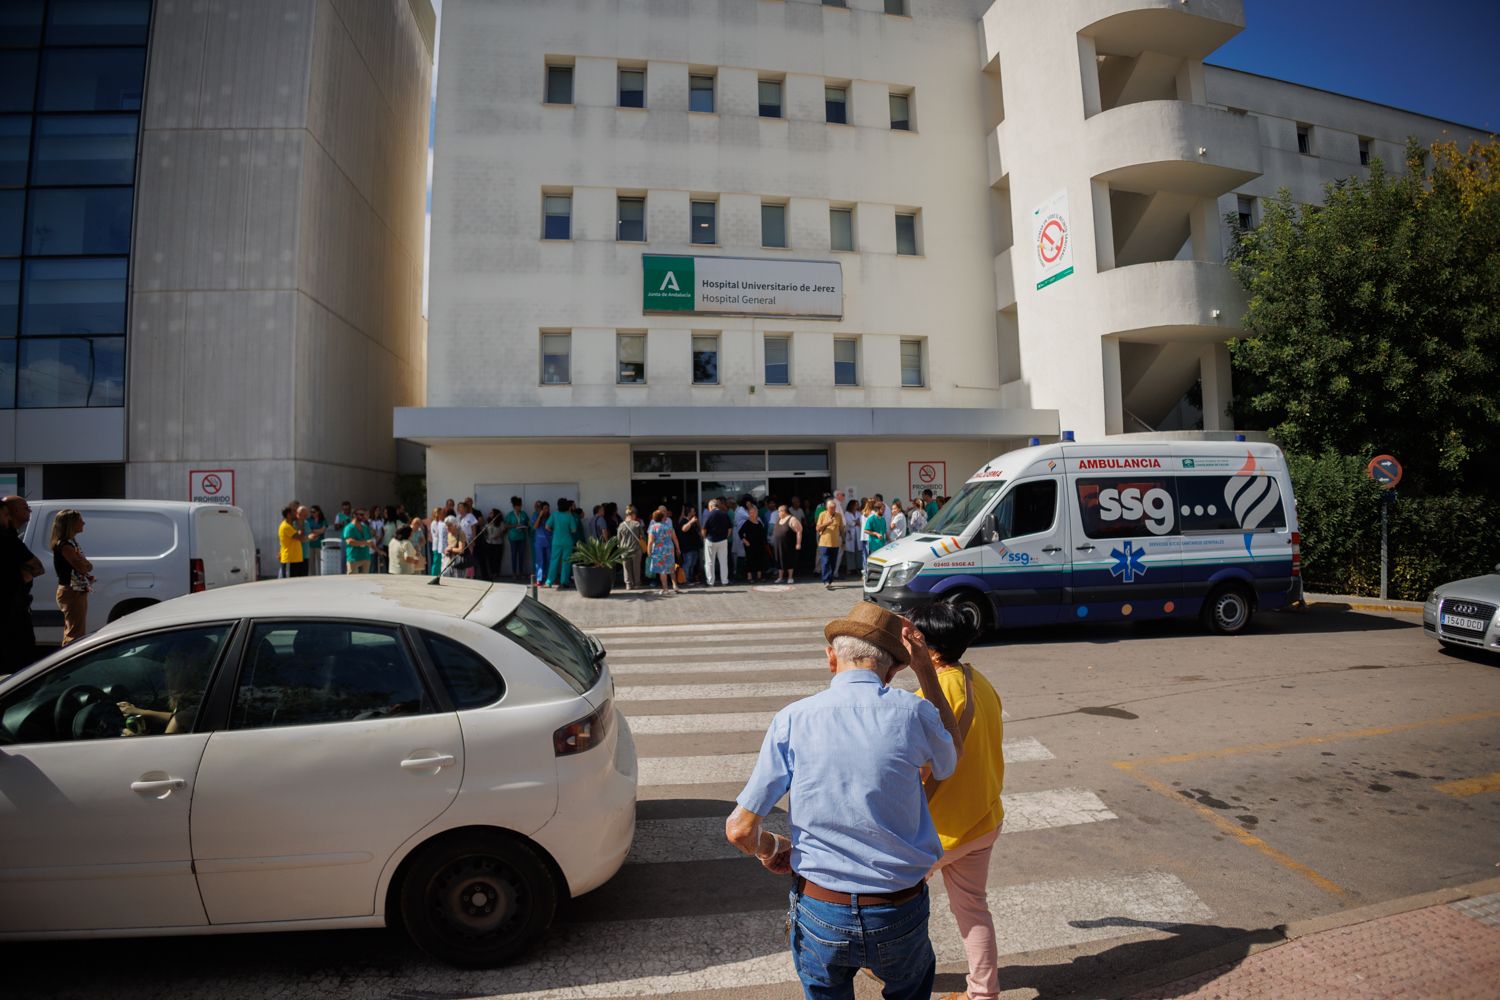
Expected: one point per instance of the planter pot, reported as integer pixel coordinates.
(593, 581)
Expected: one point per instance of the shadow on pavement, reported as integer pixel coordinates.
(1317, 620)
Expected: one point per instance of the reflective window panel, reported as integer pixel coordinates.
(68, 222)
(73, 296)
(71, 371)
(84, 149)
(92, 79)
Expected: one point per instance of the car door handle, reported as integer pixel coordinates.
(164, 786)
(430, 763)
(1051, 549)
(1086, 548)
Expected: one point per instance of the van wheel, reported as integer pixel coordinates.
(128, 607)
(477, 899)
(1227, 610)
(971, 608)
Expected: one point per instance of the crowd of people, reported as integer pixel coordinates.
(748, 540)
(73, 572)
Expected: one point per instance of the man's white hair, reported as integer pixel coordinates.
(851, 650)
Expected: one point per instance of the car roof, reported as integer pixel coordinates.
(157, 505)
(368, 596)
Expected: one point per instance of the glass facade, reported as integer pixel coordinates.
(72, 77)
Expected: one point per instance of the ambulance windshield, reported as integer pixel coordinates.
(959, 512)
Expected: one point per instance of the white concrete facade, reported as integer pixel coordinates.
(1011, 102)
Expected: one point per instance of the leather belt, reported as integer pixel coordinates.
(813, 890)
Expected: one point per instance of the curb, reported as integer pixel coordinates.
(1354, 603)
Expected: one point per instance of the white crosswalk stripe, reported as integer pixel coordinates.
(605, 631)
(727, 722)
(715, 642)
(692, 692)
(715, 665)
(710, 652)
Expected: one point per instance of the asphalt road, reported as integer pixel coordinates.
(1167, 792)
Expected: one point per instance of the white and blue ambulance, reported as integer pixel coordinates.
(1106, 532)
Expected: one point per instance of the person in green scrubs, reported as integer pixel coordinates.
(565, 532)
(875, 528)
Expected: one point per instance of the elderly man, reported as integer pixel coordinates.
(852, 758)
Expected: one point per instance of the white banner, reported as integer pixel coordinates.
(1052, 240)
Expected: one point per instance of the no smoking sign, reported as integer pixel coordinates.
(211, 486)
(1052, 241)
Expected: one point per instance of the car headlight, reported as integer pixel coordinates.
(1432, 599)
(901, 574)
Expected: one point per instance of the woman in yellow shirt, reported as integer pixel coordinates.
(966, 806)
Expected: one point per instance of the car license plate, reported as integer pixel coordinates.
(1458, 621)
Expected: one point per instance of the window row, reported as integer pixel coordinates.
(62, 371)
(30, 23)
(703, 223)
(703, 89)
(65, 222)
(48, 297)
(67, 149)
(630, 359)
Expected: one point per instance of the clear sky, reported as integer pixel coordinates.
(1438, 57)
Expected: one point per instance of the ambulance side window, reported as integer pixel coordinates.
(1229, 503)
(1134, 507)
(1028, 509)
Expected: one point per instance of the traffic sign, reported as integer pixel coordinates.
(1385, 470)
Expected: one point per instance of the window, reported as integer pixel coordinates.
(632, 88)
(84, 149)
(1127, 507)
(10, 296)
(470, 679)
(770, 98)
(835, 3)
(906, 233)
(92, 22)
(630, 225)
(162, 676)
(630, 348)
(836, 105)
(701, 93)
(312, 673)
(559, 85)
(772, 225)
(1304, 139)
(705, 359)
(778, 360)
(845, 364)
(17, 81)
(703, 225)
(557, 350)
(841, 228)
(15, 139)
(92, 79)
(911, 363)
(555, 641)
(1246, 209)
(901, 112)
(1229, 504)
(21, 23)
(69, 222)
(1364, 151)
(665, 461)
(557, 217)
(1028, 509)
(7, 370)
(74, 296)
(11, 213)
(895, 7)
(71, 371)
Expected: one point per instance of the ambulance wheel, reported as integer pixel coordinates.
(972, 608)
(1227, 610)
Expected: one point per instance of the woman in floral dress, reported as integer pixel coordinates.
(663, 558)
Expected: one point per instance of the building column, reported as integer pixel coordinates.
(1104, 227)
(1218, 389)
(1114, 397)
(1206, 231)
(1088, 70)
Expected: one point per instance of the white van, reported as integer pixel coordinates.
(1106, 532)
(144, 552)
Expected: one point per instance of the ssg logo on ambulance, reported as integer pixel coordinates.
(1154, 506)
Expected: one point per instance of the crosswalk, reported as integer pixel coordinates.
(688, 912)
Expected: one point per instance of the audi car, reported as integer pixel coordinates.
(1465, 614)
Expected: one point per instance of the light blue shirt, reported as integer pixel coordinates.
(851, 758)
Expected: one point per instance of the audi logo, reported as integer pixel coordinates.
(1465, 609)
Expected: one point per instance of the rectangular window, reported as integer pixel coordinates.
(557, 217)
(1364, 152)
(630, 224)
(12, 211)
(911, 363)
(895, 7)
(10, 296)
(557, 351)
(701, 93)
(15, 140)
(1127, 507)
(71, 371)
(836, 105)
(841, 228)
(632, 88)
(17, 81)
(1304, 139)
(1029, 509)
(559, 84)
(1231, 504)
(664, 461)
(69, 222)
(21, 24)
(631, 351)
(778, 360)
(901, 112)
(74, 296)
(772, 225)
(8, 373)
(845, 362)
(84, 149)
(705, 228)
(705, 359)
(92, 79)
(906, 234)
(1245, 207)
(835, 3)
(770, 98)
(98, 22)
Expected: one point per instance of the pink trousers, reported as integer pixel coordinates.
(965, 870)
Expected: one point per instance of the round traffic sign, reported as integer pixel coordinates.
(927, 474)
(1385, 470)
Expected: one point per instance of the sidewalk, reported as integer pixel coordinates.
(1355, 603)
(1439, 945)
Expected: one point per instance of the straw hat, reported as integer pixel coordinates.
(875, 625)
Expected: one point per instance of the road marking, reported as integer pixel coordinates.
(701, 838)
(708, 666)
(719, 951)
(708, 642)
(705, 650)
(714, 769)
(725, 722)
(691, 692)
(1470, 786)
(604, 631)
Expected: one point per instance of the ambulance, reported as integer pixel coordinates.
(1075, 532)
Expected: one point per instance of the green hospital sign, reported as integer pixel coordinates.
(742, 286)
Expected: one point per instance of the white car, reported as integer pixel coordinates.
(312, 754)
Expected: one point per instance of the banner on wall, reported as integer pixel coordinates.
(1052, 240)
(742, 286)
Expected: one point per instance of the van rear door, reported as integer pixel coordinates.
(223, 547)
(1126, 544)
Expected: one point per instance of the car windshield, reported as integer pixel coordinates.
(958, 513)
(554, 640)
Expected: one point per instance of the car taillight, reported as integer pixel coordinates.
(196, 583)
(585, 734)
(1296, 553)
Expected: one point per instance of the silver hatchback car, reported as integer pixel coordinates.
(1466, 613)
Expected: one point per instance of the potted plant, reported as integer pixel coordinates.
(594, 564)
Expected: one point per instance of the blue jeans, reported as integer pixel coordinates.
(692, 555)
(832, 941)
(829, 557)
(541, 549)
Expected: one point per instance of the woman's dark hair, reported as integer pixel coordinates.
(947, 631)
(403, 533)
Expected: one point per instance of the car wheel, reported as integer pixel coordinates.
(969, 606)
(477, 899)
(1227, 610)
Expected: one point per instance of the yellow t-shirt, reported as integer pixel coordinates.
(967, 804)
(291, 545)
